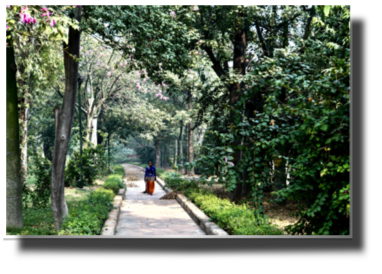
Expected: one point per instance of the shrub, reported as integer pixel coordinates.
(118, 169)
(114, 182)
(94, 162)
(236, 219)
(88, 216)
(39, 196)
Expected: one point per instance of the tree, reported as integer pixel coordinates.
(14, 182)
(64, 121)
(23, 21)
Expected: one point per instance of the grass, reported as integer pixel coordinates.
(39, 221)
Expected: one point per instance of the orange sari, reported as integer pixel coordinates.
(150, 186)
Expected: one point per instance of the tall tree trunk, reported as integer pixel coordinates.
(14, 182)
(24, 144)
(175, 152)
(239, 65)
(181, 146)
(280, 176)
(94, 131)
(64, 122)
(190, 138)
(108, 150)
(90, 111)
(186, 150)
(157, 153)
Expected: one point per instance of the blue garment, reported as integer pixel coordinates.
(150, 173)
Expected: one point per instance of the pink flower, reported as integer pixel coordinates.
(200, 42)
(44, 9)
(231, 163)
(46, 14)
(195, 8)
(165, 98)
(164, 84)
(75, 56)
(346, 191)
(52, 23)
(8, 6)
(196, 52)
(109, 74)
(7, 27)
(172, 13)
(225, 159)
(156, 95)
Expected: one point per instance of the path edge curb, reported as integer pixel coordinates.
(111, 222)
(210, 228)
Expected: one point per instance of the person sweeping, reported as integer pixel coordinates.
(150, 178)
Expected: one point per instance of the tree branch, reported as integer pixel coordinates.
(62, 96)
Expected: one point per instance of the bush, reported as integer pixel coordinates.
(39, 196)
(118, 169)
(94, 162)
(88, 216)
(235, 219)
(114, 182)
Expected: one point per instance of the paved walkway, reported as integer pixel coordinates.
(144, 214)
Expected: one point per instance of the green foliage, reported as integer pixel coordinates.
(88, 216)
(300, 115)
(119, 170)
(38, 195)
(42, 171)
(37, 221)
(94, 161)
(114, 182)
(236, 219)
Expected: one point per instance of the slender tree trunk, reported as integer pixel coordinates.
(14, 182)
(280, 177)
(64, 122)
(94, 131)
(181, 146)
(90, 112)
(175, 152)
(190, 138)
(186, 153)
(239, 65)
(24, 144)
(157, 153)
(108, 150)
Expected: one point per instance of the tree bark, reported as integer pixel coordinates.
(24, 145)
(190, 138)
(175, 152)
(94, 131)
(239, 65)
(64, 121)
(108, 150)
(157, 153)
(14, 182)
(181, 146)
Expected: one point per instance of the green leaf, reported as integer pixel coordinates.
(327, 10)
(324, 127)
